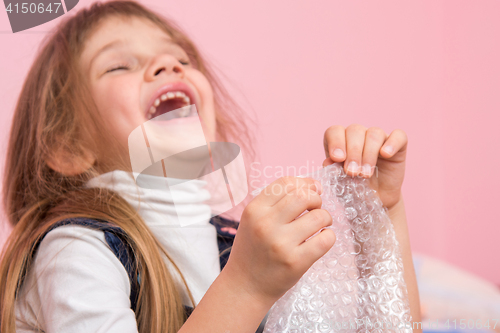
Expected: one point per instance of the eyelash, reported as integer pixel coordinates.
(117, 67)
(184, 63)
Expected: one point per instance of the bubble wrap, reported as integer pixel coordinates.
(358, 285)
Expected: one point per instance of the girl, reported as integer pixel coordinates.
(122, 268)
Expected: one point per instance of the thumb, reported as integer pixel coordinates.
(327, 162)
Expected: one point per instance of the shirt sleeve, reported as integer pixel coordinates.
(79, 284)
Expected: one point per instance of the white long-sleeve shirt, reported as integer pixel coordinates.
(77, 284)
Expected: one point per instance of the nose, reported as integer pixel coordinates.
(164, 64)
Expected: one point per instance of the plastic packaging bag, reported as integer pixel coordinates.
(358, 285)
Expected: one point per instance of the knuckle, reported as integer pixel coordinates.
(314, 217)
(320, 216)
(306, 185)
(300, 196)
(334, 128)
(315, 198)
(286, 180)
(356, 149)
(249, 212)
(320, 201)
(375, 132)
(246, 214)
(325, 243)
(327, 217)
(278, 249)
(261, 229)
(402, 134)
(355, 127)
(288, 183)
(290, 261)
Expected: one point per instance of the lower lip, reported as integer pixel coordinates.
(175, 121)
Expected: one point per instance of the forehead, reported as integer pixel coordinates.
(123, 30)
(123, 25)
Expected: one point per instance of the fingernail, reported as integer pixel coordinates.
(388, 149)
(353, 167)
(338, 153)
(367, 169)
(319, 188)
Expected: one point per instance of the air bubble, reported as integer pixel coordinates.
(360, 279)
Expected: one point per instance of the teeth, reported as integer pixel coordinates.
(151, 111)
(182, 112)
(171, 95)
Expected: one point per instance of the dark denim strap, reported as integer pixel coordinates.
(224, 238)
(116, 239)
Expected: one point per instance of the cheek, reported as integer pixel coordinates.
(207, 111)
(118, 103)
(206, 93)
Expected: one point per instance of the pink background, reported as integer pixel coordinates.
(429, 67)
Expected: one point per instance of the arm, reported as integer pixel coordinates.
(263, 267)
(227, 307)
(77, 285)
(238, 311)
(397, 214)
(372, 148)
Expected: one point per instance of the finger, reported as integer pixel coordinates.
(278, 189)
(317, 246)
(295, 203)
(327, 162)
(308, 224)
(374, 139)
(334, 143)
(355, 140)
(396, 142)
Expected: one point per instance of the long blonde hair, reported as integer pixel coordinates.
(55, 114)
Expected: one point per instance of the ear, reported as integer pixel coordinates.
(70, 164)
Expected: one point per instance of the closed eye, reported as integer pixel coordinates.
(116, 68)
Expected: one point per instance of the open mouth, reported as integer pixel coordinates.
(172, 104)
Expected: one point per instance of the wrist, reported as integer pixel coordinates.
(235, 308)
(237, 283)
(397, 207)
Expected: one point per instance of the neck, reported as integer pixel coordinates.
(176, 202)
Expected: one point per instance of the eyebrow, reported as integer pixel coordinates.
(104, 49)
(120, 42)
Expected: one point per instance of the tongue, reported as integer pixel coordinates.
(167, 106)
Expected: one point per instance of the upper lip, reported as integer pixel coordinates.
(172, 86)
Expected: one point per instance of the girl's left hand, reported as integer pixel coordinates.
(370, 153)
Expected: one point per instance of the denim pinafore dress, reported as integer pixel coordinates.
(116, 239)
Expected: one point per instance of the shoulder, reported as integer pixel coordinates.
(78, 252)
(76, 283)
(76, 246)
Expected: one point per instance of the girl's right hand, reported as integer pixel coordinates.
(269, 253)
